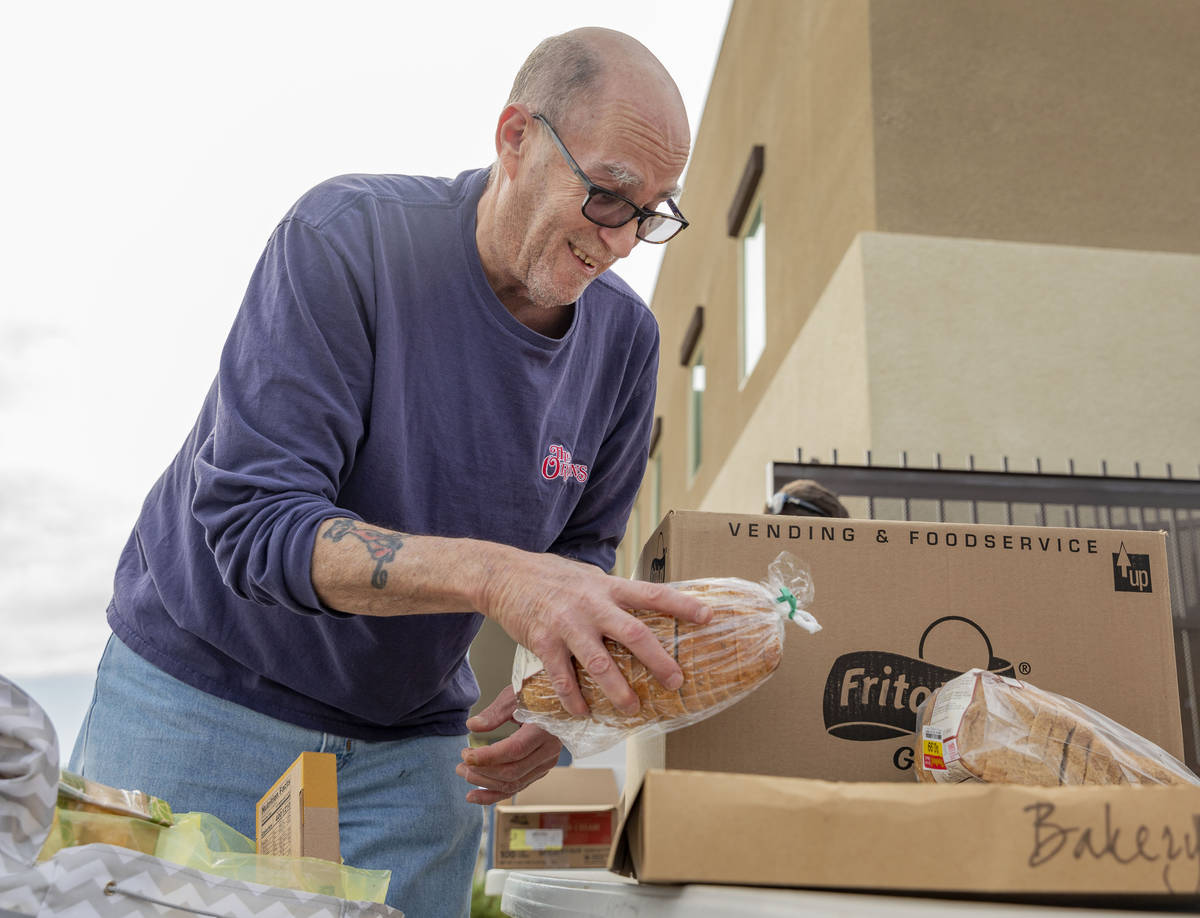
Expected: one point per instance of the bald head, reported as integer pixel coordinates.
(612, 104)
(575, 72)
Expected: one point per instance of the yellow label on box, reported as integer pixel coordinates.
(535, 839)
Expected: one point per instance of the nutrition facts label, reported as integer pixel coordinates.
(279, 830)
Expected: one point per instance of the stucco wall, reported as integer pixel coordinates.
(998, 348)
(1063, 121)
(967, 347)
(794, 77)
(820, 388)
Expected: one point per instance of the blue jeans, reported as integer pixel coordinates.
(401, 806)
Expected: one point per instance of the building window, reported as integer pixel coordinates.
(696, 412)
(753, 293)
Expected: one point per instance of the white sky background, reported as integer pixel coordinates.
(150, 149)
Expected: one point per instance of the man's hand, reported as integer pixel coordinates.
(509, 765)
(561, 609)
(555, 607)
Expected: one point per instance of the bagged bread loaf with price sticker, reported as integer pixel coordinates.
(983, 727)
(722, 661)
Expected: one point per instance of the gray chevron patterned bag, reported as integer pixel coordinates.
(105, 880)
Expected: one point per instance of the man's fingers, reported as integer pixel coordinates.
(658, 597)
(594, 657)
(561, 672)
(641, 641)
(500, 711)
(486, 797)
(644, 645)
(633, 633)
(600, 666)
(522, 743)
(501, 785)
(508, 765)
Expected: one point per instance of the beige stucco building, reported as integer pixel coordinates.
(968, 229)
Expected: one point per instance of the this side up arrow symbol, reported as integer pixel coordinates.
(1123, 561)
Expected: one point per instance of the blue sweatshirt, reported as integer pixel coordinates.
(372, 373)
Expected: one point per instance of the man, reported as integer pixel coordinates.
(309, 571)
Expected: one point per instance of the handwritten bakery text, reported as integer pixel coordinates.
(1123, 844)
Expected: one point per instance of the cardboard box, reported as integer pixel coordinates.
(1102, 845)
(298, 816)
(566, 819)
(905, 606)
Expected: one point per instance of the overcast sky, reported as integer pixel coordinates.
(150, 149)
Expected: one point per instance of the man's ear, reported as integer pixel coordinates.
(512, 131)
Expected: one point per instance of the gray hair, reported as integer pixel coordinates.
(557, 73)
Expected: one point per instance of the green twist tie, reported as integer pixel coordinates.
(785, 595)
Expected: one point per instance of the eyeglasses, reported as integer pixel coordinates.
(607, 208)
(780, 501)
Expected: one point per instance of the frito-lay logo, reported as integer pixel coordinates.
(874, 694)
(1131, 573)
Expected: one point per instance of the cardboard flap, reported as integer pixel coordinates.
(998, 841)
(569, 823)
(558, 807)
(620, 858)
(571, 787)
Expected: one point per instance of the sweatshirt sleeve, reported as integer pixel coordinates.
(598, 522)
(293, 392)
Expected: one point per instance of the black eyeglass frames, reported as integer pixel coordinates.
(609, 209)
(780, 500)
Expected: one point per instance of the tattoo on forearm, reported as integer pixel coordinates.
(381, 545)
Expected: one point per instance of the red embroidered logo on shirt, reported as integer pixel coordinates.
(559, 465)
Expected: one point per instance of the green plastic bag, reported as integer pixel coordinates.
(203, 842)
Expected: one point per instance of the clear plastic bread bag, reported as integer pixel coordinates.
(722, 661)
(986, 727)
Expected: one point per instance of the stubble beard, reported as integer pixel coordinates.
(542, 288)
(545, 293)
(543, 285)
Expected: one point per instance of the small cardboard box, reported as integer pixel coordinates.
(298, 816)
(1101, 845)
(904, 607)
(566, 819)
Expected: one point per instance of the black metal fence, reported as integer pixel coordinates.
(1170, 504)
